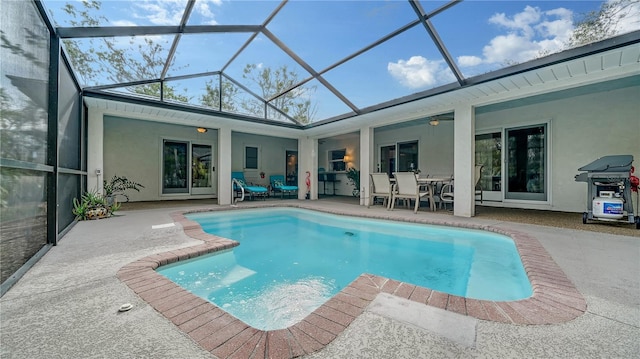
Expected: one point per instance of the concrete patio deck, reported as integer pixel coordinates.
(67, 304)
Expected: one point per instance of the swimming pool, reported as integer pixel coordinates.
(290, 261)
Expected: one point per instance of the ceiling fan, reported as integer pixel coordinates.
(435, 120)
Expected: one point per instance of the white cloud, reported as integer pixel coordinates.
(520, 22)
(510, 47)
(468, 61)
(418, 72)
(204, 10)
(169, 12)
(529, 34)
(559, 28)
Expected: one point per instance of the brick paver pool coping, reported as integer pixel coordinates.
(555, 299)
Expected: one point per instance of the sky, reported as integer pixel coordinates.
(481, 36)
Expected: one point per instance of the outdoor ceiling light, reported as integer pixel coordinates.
(434, 122)
(201, 129)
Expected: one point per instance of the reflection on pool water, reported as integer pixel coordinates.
(290, 261)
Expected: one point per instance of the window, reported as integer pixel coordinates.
(336, 160)
(251, 157)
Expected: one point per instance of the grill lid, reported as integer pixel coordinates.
(615, 163)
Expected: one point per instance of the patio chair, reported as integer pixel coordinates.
(278, 184)
(446, 194)
(380, 187)
(250, 189)
(407, 187)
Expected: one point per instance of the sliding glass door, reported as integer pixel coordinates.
(526, 163)
(175, 175)
(407, 156)
(387, 160)
(202, 169)
(180, 178)
(522, 173)
(401, 157)
(489, 155)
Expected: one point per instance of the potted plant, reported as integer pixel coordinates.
(354, 178)
(93, 205)
(117, 186)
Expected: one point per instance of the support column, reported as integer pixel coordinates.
(307, 162)
(366, 163)
(224, 166)
(95, 151)
(464, 160)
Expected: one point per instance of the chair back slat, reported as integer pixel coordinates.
(381, 183)
(406, 183)
(275, 179)
(477, 175)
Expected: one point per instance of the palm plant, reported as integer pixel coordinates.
(354, 178)
(117, 186)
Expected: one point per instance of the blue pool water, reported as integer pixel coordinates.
(290, 261)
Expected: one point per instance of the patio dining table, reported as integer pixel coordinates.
(431, 184)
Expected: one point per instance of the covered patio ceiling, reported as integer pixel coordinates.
(301, 64)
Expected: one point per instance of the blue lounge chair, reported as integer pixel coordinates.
(278, 184)
(250, 189)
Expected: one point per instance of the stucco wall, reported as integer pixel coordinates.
(582, 129)
(133, 148)
(435, 145)
(271, 156)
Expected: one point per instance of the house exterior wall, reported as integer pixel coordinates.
(271, 155)
(582, 129)
(133, 148)
(435, 145)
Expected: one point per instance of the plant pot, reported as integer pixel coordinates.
(97, 213)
